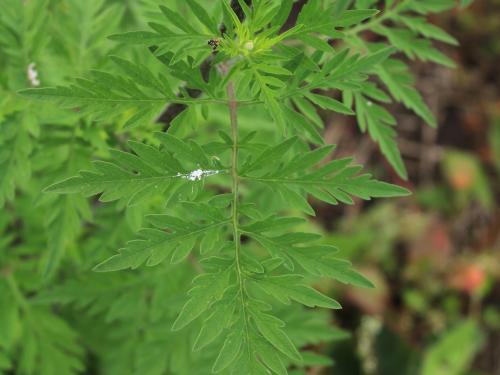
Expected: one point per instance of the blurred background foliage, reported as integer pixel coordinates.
(434, 257)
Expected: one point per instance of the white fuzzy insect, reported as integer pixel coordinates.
(33, 75)
(198, 174)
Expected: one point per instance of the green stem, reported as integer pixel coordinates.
(233, 108)
(233, 113)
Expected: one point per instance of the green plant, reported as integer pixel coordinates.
(223, 211)
(462, 342)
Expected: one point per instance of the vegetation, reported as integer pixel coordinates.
(206, 134)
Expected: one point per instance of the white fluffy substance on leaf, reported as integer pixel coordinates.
(33, 75)
(198, 174)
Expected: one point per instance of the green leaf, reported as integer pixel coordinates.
(231, 348)
(138, 95)
(414, 47)
(214, 325)
(353, 17)
(420, 25)
(318, 260)
(394, 74)
(49, 346)
(454, 351)
(273, 69)
(270, 357)
(302, 125)
(63, 225)
(175, 20)
(380, 126)
(331, 104)
(270, 330)
(334, 181)
(201, 14)
(134, 177)
(269, 155)
(229, 10)
(138, 37)
(287, 287)
(269, 94)
(140, 74)
(208, 288)
(156, 245)
(15, 165)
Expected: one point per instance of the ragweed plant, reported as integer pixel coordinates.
(222, 191)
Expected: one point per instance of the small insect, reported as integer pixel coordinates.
(214, 43)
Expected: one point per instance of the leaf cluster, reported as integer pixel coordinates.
(210, 221)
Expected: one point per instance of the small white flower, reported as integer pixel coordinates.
(369, 103)
(33, 75)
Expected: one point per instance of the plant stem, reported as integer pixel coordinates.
(233, 114)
